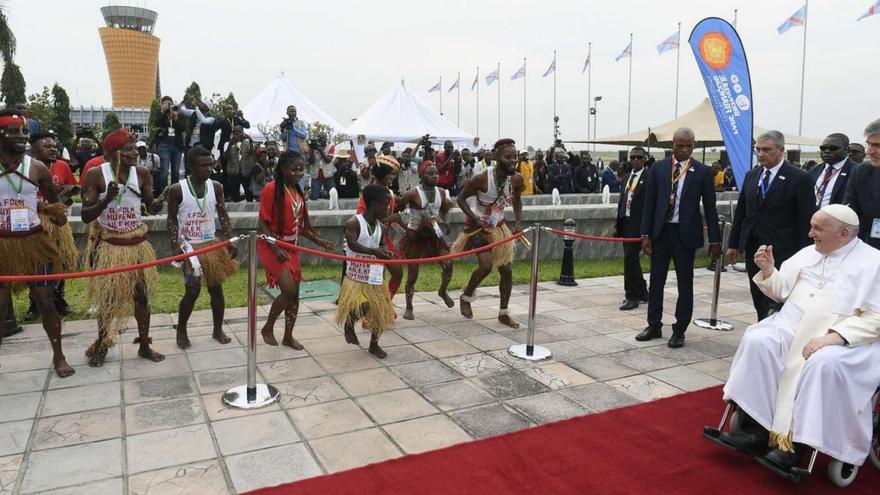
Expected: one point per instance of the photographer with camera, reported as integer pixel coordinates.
(293, 132)
(238, 161)
(231, 118)
(321, 166)
(167, 139)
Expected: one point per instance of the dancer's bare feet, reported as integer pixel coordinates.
(220, 336)
(291, 342)
(149, 354)
(97, 359)
(61, 367)
(350, 336)
(507, 320)
(446, 299)
(183, 339)
(376, 350)
(465, 307)
(268, 336)
(408, 314)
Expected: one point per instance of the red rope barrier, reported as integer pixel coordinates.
(594, 237)
(109, 271)
(413, 261)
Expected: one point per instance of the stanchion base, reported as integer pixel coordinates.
(566, 282)
(237, 397)
(718, 324)
(538, 353)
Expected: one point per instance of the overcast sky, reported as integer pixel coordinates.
(344, 54)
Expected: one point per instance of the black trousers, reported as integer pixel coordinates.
(668, 247)
(234, 182)
(762, 303)
(634, 285)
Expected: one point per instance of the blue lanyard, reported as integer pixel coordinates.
(769, 184)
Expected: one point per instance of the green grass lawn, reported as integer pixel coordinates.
(235, 289)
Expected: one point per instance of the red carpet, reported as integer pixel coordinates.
(655, 447)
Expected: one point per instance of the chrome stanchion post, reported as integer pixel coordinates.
(529, 350)
(566, 273)
(713, 323)
(252, 395)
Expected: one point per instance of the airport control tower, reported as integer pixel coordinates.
(132, 54)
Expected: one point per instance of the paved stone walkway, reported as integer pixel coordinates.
(139, 427)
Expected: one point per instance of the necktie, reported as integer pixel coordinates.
(765, 184)
(676, 177)
(820, 191)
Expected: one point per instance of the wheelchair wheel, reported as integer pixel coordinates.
(736, 420)
(841, 474)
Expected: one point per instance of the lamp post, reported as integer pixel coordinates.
(595, 112)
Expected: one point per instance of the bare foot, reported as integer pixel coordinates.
(291, 342)
(507, 320)
(350, 336)
(377, 351)
(465, 308)
(147, 353)
(183, 340)
(268, 336)
(446, 299)
(408, 314)
(97, 359)
(220, 336)
(62, 368)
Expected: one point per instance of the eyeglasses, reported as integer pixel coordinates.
(637, 157)
(830, 148)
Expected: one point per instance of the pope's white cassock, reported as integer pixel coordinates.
(823, 401)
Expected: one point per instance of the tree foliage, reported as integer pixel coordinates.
(218, 102)
(111, 123)
(51, 108)
(12, 85)
(7, 38)
(193, 89)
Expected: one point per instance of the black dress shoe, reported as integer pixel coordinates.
(782, 459)
(643, 299)
(676, 341)
(649, 333)
(628, 305)
(749, 442)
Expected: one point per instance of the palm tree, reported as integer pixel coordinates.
(7, 39)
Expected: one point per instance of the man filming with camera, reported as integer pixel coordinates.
(293, 131)
(321, 167)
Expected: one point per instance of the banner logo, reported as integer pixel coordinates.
(715, 50)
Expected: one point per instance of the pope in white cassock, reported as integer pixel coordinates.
(805, 375)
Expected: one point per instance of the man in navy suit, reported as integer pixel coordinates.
(630, 206)
(830, 178)
(774, 207)
(672, 229)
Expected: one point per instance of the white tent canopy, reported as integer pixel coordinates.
(402, 117)
(269, 108)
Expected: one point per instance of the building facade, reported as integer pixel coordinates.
(132, 53)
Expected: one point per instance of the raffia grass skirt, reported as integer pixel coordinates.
(62, 236)
(380, 313)
(113, 294)
(217, 265)
(501, 255)
(27, 255)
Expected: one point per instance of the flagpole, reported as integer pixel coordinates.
(677, 65)
(629, 87)
(524, 102)
(458, 105)
(589, 88)
(478, 101)
(499, 99)
(803, 70)
(735, 12)
(554, 83)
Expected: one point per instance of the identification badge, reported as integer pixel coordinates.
(875, 229)
(495, 218)
(170, 132)
(342, 181)
(376, 272)
(18, 219)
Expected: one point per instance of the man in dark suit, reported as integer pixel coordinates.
(629, 224)
(774, 207)
(830, 178)
(672, 229)
(231, 118)
(863, 189)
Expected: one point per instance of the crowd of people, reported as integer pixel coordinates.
(797, 228)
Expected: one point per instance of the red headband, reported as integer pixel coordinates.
(117, 139)
(6, 120)
(425, 164)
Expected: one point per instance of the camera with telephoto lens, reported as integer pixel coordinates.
(286, 124)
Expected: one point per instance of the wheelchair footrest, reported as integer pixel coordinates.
(796, 474)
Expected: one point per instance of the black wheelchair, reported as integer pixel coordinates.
(839, 473)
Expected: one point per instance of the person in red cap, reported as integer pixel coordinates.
(427, 231)
(112, 194)
(26, 248)
(483, 199)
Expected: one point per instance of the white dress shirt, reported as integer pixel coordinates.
(826, 198)
(773, 172)
(680, 184)
(630, 184)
